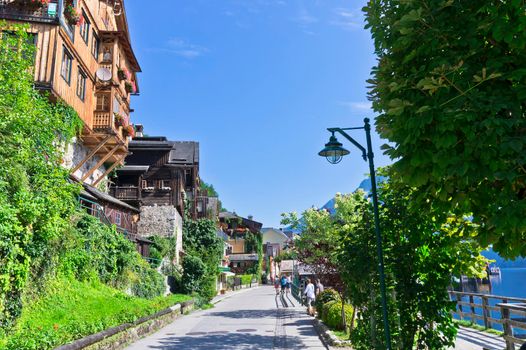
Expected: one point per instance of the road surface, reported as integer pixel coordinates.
(250, 319)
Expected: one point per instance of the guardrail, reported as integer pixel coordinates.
(508, 312)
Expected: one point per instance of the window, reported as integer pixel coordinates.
(84, 27)
(65, 70)
(116, 105)
(118, 219)
(81, 85)
(95, 45)
(103, 103)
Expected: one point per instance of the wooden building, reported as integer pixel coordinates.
(236, 227)
(160, 178)
(159, 172)
(112, 211)
(84, 58)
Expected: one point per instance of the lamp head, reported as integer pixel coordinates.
(333, 150)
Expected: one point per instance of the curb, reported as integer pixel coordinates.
(117, 337)
(328, 337)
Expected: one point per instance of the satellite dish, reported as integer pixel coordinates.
(103, 74)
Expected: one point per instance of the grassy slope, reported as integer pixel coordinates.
(73, 309)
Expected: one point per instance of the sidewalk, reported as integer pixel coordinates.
(472, 339)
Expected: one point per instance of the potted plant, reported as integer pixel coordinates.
(119, 120)
(70, 13)
(121, 74)
(32, 4)
(129, 130)
(128, 87)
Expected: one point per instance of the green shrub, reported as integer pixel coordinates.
(194, 271)
(148, 282)
(245, 279)
(327, 295)
(333, 314)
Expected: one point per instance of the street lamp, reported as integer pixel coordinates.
(334, 153)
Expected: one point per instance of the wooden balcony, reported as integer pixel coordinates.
(23, 11)
(126, 193)
(104, 122)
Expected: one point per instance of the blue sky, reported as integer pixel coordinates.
(257, 82)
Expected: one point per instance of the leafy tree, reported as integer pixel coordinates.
(204, 253)
(450, 87)
(209, 188)
(421, 254)
(317, 248)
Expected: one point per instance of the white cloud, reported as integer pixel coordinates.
(357, 105)
(347, 19)
(305, 18)
(182, 48)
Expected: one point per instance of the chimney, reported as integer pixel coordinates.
(138, 130)
(250, 217)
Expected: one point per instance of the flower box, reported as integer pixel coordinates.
(71, 14)
(121, 74)
(128, 87)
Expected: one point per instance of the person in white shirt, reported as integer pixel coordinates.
(309, 293)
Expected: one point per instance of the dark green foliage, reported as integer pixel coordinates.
(148, 283)
(332, 314)
(162, 247)
(324, 297)
(286, 255)
(254, 244)
(209, 188)
(421, 252)
(194, 272)
(204, 252)
(450, 87)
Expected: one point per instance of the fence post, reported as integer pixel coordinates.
(508, 331)
(459, 298)
(472, 308)
(485, 312)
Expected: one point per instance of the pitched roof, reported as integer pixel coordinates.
(184, 152)
(107, 198)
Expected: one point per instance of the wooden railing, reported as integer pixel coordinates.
(492, 310)
(105, 122)
(125, 192)
(24, 11)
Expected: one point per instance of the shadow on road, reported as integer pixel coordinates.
(228, 341)
(271, 313)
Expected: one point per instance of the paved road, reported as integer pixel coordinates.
(250, 319)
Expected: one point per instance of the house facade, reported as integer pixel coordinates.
(161, 178)
(274, 242)
(84, 58)
(241, 256)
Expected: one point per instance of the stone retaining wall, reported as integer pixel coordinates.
(119, 337)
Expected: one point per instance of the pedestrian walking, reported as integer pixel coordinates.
(283, 283)
(309, 293)
(289, 284)
(276, 284)
(319, 287)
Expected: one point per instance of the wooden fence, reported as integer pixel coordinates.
(508, 312)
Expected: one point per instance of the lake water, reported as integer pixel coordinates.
(510, 283)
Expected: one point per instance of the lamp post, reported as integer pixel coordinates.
(334, 153)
